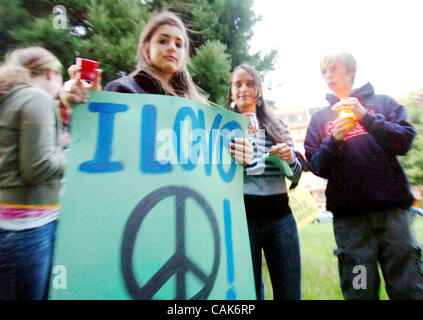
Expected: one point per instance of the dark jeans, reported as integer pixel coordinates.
(26, 262)
(278, 238)
(385, 237)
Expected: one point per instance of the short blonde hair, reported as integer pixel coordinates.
(344, 57)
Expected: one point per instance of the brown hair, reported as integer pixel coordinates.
(181, 83)
(22, 64)
(263, 111)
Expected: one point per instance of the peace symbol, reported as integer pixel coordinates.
(179, 264)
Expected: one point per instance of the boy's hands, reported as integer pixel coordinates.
(353, 104)
(342, 127)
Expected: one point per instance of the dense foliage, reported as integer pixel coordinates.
(108, 31)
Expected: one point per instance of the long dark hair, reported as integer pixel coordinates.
(264, 113)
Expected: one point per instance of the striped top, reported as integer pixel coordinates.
(265, 175)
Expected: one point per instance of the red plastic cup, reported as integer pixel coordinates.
(88, 69)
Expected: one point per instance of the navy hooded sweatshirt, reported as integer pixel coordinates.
(363, 172)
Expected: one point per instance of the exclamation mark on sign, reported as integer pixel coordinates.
(230, 294)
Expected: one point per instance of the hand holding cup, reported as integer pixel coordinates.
(76, 88)
(350, 107)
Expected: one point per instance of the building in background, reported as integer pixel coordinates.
(298, 120)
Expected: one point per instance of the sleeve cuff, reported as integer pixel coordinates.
(367, 120)
(293, 160)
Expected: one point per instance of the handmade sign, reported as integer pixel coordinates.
(303, 206)
(152, 204)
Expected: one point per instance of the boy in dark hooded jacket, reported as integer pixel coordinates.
(353, 144)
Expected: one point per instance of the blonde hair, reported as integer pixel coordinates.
(22, 64)
(263, 111)
(344, 57)
(181, 83)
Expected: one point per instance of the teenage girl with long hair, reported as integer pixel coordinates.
(163, 54)
(271, 225)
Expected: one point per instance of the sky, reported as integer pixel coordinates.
(385, 36)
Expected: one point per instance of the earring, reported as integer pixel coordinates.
(233, 105)
(259, 102)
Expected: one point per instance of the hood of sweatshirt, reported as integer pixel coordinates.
(17, 87)
(361, 94)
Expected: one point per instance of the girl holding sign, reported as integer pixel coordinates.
(163, 54)
(269, 157)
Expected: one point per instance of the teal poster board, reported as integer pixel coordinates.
(152, 203)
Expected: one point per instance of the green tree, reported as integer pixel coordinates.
(228, 21)
(113, 29)
(211, 67)
(12, 15)
(26, 23)
(108, 31)
(39, 31)
(413, 160)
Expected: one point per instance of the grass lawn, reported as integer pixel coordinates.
(320, 279)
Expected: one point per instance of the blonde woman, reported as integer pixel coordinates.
(32, 161)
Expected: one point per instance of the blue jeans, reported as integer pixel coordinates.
(278, 238)
(26, 262)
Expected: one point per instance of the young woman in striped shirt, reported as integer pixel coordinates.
(268, 155)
